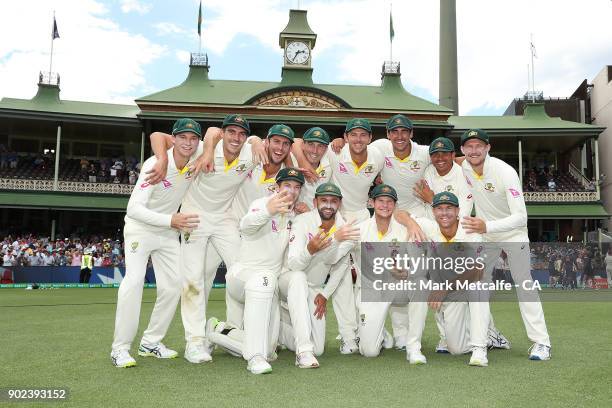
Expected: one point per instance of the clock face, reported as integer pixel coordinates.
(297, 52)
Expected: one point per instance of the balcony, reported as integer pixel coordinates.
(66, 186)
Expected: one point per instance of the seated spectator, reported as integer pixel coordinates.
(13, 159)
(552, 185)
(132, 177)
(92, 173)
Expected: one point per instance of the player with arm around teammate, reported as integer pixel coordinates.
(152, 227)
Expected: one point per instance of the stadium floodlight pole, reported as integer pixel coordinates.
(57, 157)
(532, 48)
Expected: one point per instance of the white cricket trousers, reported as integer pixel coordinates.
(465, 325)
(215, 234)
(519, 260)
(253, 294)
(164, 250)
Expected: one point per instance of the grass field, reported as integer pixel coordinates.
(61, 338)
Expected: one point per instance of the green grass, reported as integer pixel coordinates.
(62, 337)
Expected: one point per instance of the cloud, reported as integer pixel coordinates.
(183, 56)
(97, 59)
(166, 28)
(127, 6)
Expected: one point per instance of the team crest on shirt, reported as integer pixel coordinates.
(415, 166)
(292, 238)
(241, 168)
(489, 187)
(394, 243)
(186, 235)
(362, 317)
(289, 225)
(388, 163)
(459, 247)
(342, 168)
(369, 169)
(449, 188)
(271, 188)
(134, 246)
(322, 174)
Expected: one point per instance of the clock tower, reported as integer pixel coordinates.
(297, 41)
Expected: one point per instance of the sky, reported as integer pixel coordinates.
(118, 50)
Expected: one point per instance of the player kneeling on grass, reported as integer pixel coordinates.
(463, 316)
(152, 227)
(252, 280)
(319, 246)
(383, 228)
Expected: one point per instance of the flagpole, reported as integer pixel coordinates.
(52, 38)
(391, 38)
(532, 72)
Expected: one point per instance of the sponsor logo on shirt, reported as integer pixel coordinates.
(250, 174)
(489, 187)
(515, 193)
(166, 183)
(388, 163)
(469, 197)
(342, 168)
(292, 238)
(369, 246)
(271, 189)
(310, 236)
(144, 185)
(274, 226)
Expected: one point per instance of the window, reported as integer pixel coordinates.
(25, 145)
(111, 150)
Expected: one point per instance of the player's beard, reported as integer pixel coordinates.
(327, 215)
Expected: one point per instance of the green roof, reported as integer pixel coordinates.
(534, 118)
(47, 101)
(199, 89)
(567, 211)
(63, 201)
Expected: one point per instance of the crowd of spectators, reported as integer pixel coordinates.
(117, 170)
(29, 250)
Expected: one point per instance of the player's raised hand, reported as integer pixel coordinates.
(184, 222)
(474, 224)
(279, 203)
(421, 190)
(318, 242)
(435, 299)
(260, 151)
(347, 232)
(158, 171)
(337, 144)
(321, 306)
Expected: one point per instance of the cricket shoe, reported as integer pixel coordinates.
(400, 343)
(442, 347)
(258, 365)
(197, 353)
(156, 350)
(415, 357)
(479, 357)
(497, 340)
(306, 359)
(349, 346)
(539, 352)
(122, 359)
(387, 340)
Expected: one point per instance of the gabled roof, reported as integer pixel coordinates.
(534, 119)
(199, 89)
(47, 103)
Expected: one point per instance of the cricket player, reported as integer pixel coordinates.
(314, 149)
(464, 317)
(319, 246)
(501, 216)
(252, 280)
(152, 227)
(383, 228)
(444, 175)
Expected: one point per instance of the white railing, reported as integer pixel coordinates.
(66, 186)
(561, 197)
(577, 174)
